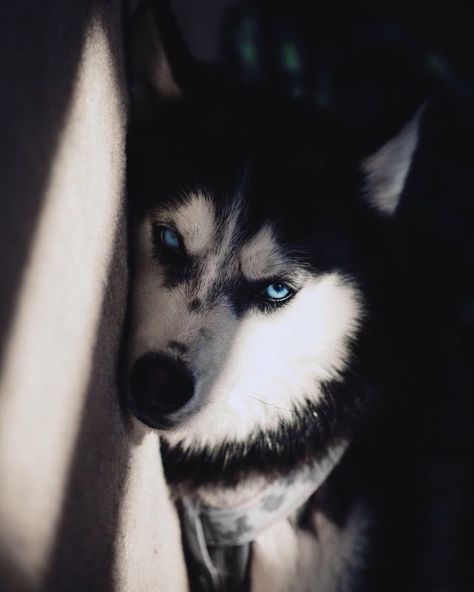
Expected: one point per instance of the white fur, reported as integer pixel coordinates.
(255, 371)
(237, 495)
(285, 559)
(270, 364)
(386, 171)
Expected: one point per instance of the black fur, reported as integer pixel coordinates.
(293, 167)
(290, 166)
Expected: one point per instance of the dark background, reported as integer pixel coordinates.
(373, 63)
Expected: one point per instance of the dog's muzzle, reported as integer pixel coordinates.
(160, 387)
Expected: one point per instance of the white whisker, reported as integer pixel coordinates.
(266, 402)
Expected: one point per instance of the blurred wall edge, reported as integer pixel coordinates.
(82, 499)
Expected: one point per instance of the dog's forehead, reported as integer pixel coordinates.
(262, 256)
(210, 231)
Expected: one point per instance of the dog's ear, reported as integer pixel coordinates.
(160, 63)
(386, 170)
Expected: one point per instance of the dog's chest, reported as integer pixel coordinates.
(321, 558)
(297, 551)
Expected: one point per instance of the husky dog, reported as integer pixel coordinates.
(263, 333)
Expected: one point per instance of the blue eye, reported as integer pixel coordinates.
(278, 291)
(170, 239)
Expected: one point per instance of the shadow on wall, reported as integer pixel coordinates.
(42, 51)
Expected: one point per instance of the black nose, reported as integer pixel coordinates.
(160, 386)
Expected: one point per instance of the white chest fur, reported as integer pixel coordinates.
(325, 559)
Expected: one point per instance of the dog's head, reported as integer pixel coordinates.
(261, 261)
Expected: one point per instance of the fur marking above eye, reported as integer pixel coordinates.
(278, 292)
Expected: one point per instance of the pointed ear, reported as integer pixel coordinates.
(151, 71)
(386, 171)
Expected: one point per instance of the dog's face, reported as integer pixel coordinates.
(251, 325)
(259, 253)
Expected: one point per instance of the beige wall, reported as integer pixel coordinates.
(82, 502)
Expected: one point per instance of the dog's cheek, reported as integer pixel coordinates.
(271, 364)
(281, 358)
(155, 308)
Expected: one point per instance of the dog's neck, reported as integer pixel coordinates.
(218, 520)
(231, 497)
